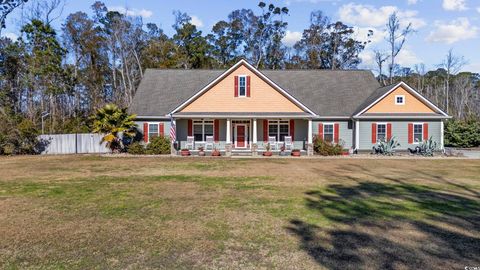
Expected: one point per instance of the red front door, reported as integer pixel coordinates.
(240, 136)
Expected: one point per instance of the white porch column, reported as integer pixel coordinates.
(310, 135)
(254, 131)
(357, 134)
(441, 135)
(229, 137)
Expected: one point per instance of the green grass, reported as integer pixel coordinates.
(78, 212)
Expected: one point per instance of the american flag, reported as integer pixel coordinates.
(173, 130)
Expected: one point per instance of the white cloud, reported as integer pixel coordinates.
(368, 59)
(412, 2)
(478, 9)
(196, 21)
(11, 36)
(407, 58)
(291, 37)
(454, 4)
(367, 15)
(453, 31)
(133, 12)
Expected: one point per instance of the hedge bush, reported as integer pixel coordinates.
(158, 146)
(136, 148)
(462, 133)
(325, 148)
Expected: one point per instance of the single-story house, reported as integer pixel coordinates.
(242, 109)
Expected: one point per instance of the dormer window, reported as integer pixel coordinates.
(242, 86)
(399, 100)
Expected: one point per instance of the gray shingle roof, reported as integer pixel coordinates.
(325, 92)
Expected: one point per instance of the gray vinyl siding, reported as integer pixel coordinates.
(345, 129)
(399, 131)
(166, 126)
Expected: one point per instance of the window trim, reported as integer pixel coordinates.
(245, 77)
(386, 131)
(158, 129)
(400, 103)
(278, 127)
(333, 130)
(413, 132)
(203, 128)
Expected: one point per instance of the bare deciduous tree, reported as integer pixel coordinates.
(396, 39)
(452, 65)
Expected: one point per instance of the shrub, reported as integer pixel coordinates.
(136, 148)
(18, 135)
(462, 133)
(158, 145)
(386, 148)
(325, 148)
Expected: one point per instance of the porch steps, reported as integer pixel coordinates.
(242, 153)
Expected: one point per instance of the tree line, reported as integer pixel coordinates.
(61, 76)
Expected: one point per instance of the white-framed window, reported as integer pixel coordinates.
(279, 129)
(400, 100)
(242, 86)
(328, 132)
(417, 132)
(153, 131)
(202, 129)
(381, 132)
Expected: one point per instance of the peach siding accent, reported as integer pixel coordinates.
(412, 104)
(263, 97)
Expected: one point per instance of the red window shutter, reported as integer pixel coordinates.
(292, 129)
(374, 133)
(389, 131)
(336, 132)
(320, 131)
(248, 86)
(236, 86)
(161, 130)
(425, 131)
(145, 132)
(216, 126)
(410, 133)
(190, 127)
(265, 130)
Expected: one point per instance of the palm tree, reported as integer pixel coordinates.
(111, 121)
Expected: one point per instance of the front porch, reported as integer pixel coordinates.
(244, 136)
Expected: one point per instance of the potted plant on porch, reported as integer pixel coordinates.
(296, 152)
(267, 153)
(185, 152)
(215, 153)
(201, 151)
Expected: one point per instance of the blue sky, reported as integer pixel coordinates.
(440, 24)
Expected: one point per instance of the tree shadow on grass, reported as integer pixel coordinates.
(391, 225)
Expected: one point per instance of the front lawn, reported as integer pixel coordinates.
(84, 212)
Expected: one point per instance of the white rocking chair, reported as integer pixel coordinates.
(288, 142)
(273, 142)
(190, 142)
(209, 142)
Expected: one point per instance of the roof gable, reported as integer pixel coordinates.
(383, 101)
(266, 96)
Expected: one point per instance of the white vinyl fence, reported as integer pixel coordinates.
(72, 144)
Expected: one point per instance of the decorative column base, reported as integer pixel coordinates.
(254, 149)
(310, 149)
(228, 149)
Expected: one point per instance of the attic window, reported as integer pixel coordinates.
(399, 100)
(242, 86)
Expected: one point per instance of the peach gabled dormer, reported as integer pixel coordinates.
(242, 88)
(398, 99)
